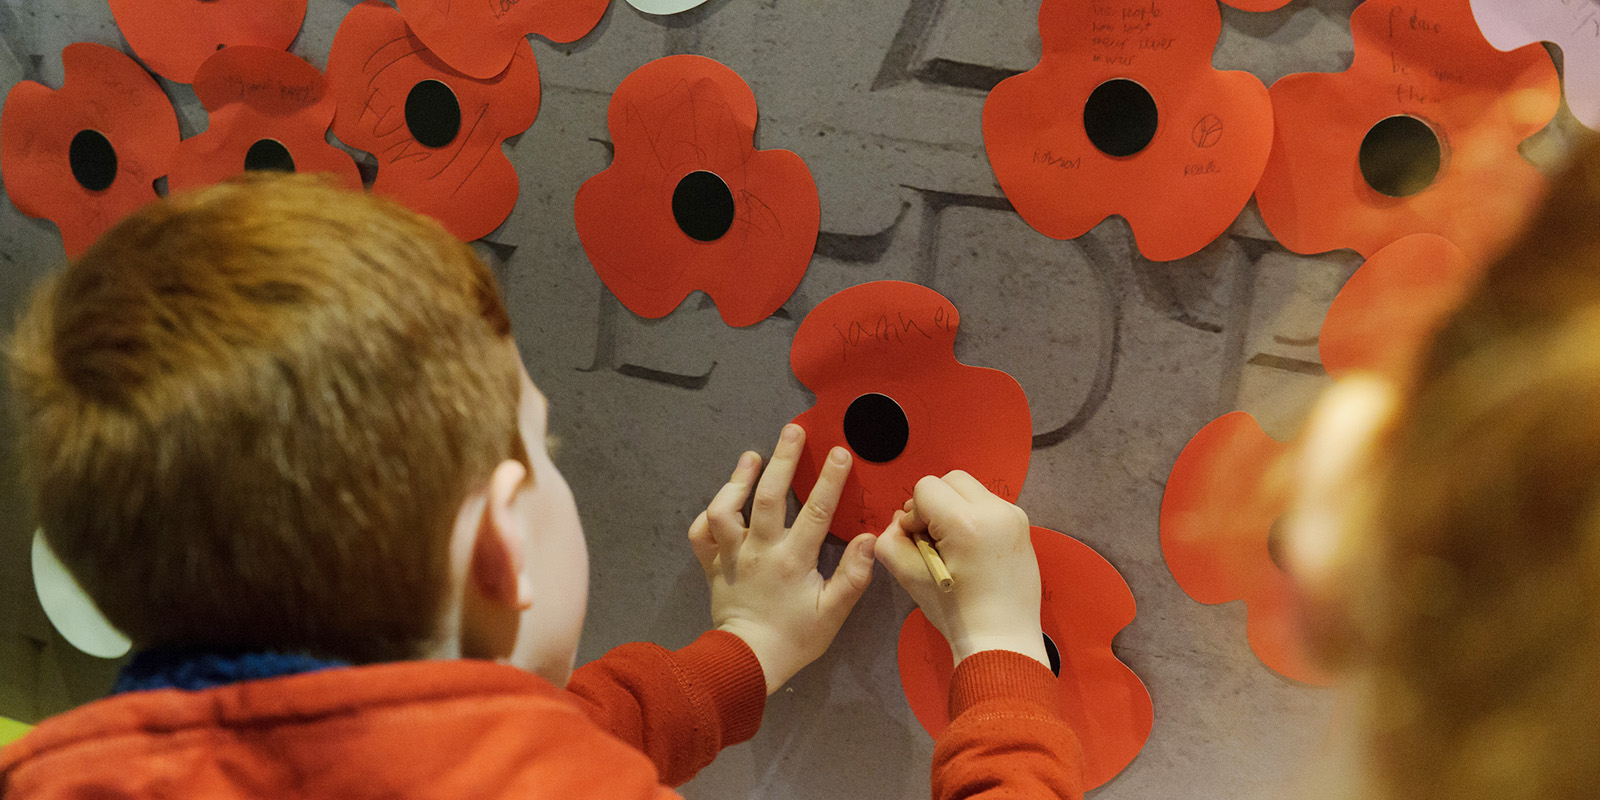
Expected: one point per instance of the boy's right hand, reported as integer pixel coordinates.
(984, 540)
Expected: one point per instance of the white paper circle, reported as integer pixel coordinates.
(69, 609)
(664, 6)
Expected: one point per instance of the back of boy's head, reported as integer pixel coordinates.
(1474, 609)
(249, 416)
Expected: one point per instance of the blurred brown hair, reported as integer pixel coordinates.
(1474, 596)
(249, 415)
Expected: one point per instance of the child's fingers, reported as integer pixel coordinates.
(811, 525)
(851, 578)
(895, 550)
(702, 542)
(967, 486)
(772, 493)
(938, 508)
(725, 513)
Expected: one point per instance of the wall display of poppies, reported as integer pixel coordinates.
(176, 51)
(1085, 604)
(1420, 135)
(269, 110)
(880, 358)
(1221, 514)
(481, 39)
(436, 133)
(689, 204)
(88, 154)
(1575, 27)
(1124, 114)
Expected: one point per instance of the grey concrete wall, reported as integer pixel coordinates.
(1122, 359)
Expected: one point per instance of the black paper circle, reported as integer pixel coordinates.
(1401, 156)
(703, 206)
(268, 155)
(93, 160)
(1054, 654)
(1120, 118)
(875, 427)
(433, 114)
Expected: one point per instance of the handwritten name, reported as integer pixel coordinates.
(1050, 159)
(1202, 168)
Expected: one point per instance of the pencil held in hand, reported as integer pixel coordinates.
(936, 567)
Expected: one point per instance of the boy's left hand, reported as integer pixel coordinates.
(765, 587)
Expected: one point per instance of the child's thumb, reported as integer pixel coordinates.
(851, 577)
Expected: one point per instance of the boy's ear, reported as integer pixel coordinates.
(502, 541)
(1335, 474)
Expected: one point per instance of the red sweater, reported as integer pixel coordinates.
(637, 719)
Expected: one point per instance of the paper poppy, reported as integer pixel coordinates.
(689, 203)
(480, 38)
(1575, 27)
(88, 154)
(269, 110)
(1221, 538)
(1086, 603)
(176, 36)
(1124, 114)
(1392, 305)
(1420, 135)
(436, 133)
(880, 358)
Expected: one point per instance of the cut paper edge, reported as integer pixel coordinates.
(1514, 25)
(1109, 708)
(69, 609)
(1391, 307)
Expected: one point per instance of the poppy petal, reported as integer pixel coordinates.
(1219, 520)
(436, 133)
(1440, 113)
(1086, 603)
(689, 204)
(479, 39)
(269, 110)
(880, 358)
(88, 154)
(1124, 114)
(175, 52)
(1392, 305)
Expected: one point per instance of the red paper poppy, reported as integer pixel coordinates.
(1220, 536)
(1086, 603)
(87, 155)
(880, 358)
(689, 203)
(1439, 113)
(437, 134)
(1125, 115)
(480, 38)
(269, 111)
(176, 36)
(1392, 305)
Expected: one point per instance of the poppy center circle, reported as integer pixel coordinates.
(1120, 118)
(93, 160)
(433, 114)
(1401, 156)
(702, 205)
(1054, 654)
(268, 155)
(875, 427)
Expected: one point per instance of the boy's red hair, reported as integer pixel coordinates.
(250, 414)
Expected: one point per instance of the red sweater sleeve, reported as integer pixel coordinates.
(679, 707)
(1006, 738)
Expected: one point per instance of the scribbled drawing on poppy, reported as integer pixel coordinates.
(174, 37)
(1420, 135)
(1222, 540)
(1393, 304)
(269, 110)
(480, 39)
(1574, 27)
(689, 203)
(1125, 115)
(1086, 602)
(880, 359)
(436, 133)
(88, 154)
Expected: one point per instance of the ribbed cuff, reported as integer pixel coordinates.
(726, 669)
(1002, 675)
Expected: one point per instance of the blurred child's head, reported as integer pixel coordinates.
(1449, 531)
(275, 415)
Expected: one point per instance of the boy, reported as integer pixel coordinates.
(282, 435)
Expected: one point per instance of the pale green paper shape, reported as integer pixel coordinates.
(663, 7)
(70, 609)
(12, 730)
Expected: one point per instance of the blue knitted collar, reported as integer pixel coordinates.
(186, 668)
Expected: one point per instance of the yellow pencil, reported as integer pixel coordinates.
(936, 566)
